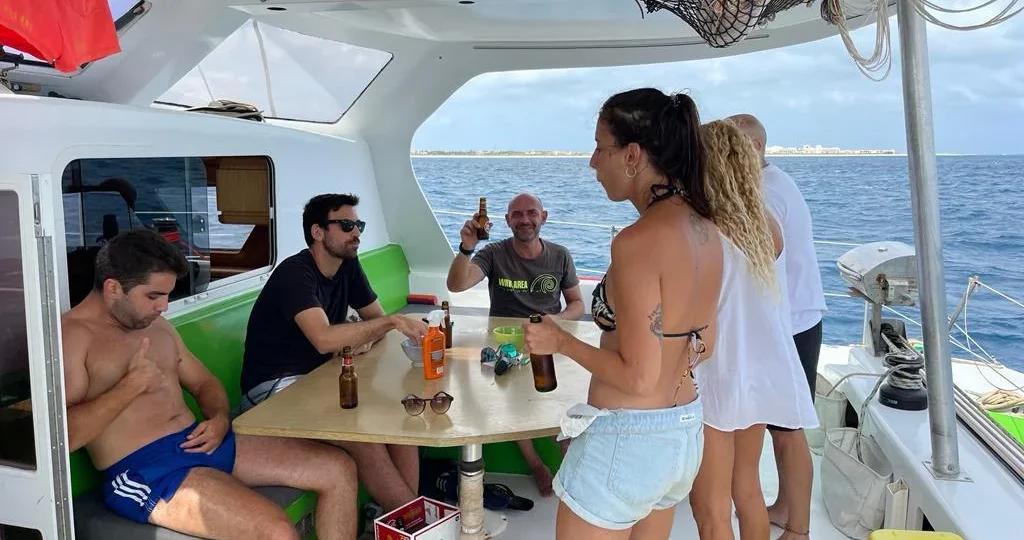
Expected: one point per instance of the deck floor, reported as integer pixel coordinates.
(539, 522)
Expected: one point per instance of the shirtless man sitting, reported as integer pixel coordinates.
(124, 368)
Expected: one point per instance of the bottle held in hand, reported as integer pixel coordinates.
(481, 221)
(544, 379)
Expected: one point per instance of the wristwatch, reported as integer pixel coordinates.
(464, 251)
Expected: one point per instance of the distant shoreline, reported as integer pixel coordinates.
(528, 155)
(566, 155)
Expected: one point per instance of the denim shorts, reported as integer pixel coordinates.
(627, 463)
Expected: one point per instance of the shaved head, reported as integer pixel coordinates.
(752, 128)
(525, 200)
(525, 217)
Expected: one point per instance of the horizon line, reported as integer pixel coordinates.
(571, 153)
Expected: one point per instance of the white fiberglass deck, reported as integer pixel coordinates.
(539, 522)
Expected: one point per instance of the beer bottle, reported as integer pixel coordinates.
(447, 325)
(544, 379)
(481, 221)
(348, 382)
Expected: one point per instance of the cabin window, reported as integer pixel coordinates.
(17, 440)
(216, 209)
(285, 74)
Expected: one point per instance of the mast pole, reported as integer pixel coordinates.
(924, 191)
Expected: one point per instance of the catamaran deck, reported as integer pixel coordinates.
(539, 522)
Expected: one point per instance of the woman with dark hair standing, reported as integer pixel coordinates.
(638, 441)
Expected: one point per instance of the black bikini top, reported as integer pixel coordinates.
(604, 316)
(602, 313)
(601, 310)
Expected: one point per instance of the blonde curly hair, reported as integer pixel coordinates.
(733, 182)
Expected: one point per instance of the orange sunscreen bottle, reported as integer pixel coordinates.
(433, 346)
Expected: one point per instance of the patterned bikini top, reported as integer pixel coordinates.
(600, 310)
(604, 317)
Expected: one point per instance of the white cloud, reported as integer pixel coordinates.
(716, 74)
(967, 93)
(807, 91)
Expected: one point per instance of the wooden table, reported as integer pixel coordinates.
(486, 408)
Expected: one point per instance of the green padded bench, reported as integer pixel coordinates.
(216, 336)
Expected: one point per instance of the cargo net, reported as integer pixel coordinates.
(722, 23)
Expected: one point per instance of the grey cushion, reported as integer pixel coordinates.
(94, 521)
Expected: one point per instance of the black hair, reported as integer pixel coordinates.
(132, 256)
(667, 127)
(317, 209)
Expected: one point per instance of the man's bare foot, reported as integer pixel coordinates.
(542, 475)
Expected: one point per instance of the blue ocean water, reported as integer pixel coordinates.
(852, 199)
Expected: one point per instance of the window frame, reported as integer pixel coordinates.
(344, 111)
(216, 289)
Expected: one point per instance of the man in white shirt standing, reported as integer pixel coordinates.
(792, 508)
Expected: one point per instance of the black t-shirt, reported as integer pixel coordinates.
(274, 344)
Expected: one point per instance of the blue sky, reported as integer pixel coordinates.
(806, 94)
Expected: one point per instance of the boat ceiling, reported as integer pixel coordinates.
(601, 22)
(434, 46)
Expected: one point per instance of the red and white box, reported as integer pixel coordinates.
(421, 519)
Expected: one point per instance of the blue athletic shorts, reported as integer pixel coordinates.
(626, 463)
(135, 484)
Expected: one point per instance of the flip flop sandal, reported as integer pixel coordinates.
(511, 500)
(496, 498)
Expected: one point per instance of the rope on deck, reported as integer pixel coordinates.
(471, 503)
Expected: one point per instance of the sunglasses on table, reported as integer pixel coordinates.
(440, 403)
(347, 224)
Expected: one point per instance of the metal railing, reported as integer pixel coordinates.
(968, 346)
(614, 229)
(967, 406)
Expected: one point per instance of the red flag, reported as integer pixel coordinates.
(67, 33)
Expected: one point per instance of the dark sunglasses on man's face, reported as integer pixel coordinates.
(347, 224)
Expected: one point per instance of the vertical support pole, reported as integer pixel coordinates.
(924, 191)
(471, 492)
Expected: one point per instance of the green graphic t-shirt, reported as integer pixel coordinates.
(519, 287)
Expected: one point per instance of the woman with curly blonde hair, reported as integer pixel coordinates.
(754, 376)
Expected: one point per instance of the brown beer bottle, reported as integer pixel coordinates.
(544, 379)
(447, 325)
(481, 221)
(348, 382)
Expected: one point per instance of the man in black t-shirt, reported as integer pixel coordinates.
(300, 320)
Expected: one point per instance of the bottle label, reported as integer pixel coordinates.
(437, 362)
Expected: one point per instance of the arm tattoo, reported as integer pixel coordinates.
(699, 226)
(656, 326)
